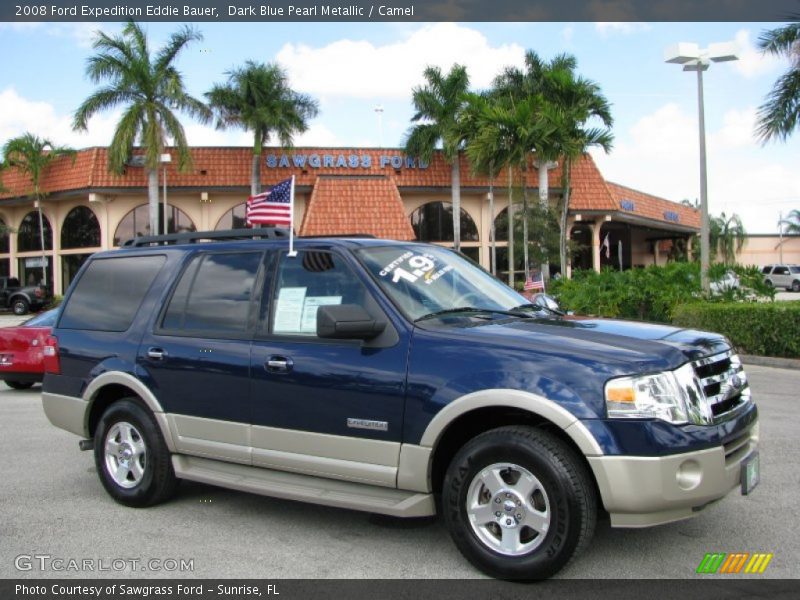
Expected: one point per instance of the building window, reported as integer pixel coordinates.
(81, 229)
(4, 243)
(70, 264)
(31, 270)
(233, 219)
(28, 234)
(501, 225)
(433, 222)
(137, 223)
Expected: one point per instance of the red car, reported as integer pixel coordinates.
(21, 350)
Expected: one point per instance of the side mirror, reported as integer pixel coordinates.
(548, 302)
(347, 322)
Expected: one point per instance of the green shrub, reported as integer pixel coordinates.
(652, 293)
(767, 328)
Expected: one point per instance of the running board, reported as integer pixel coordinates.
(292, 486)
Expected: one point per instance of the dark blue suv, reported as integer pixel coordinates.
(396, 378)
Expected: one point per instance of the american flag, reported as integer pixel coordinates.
(534, 283)
(273, 207)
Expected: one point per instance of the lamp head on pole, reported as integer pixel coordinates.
(694, 58)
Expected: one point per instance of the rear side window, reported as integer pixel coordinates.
(110, 292)
(214, 294)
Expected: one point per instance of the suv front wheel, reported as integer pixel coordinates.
(519, 503)
(131, 457)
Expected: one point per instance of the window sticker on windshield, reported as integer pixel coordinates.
(289, 309)
(414, 268)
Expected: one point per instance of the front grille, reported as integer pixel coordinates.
(724, 384)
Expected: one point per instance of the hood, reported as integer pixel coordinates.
(628, 345)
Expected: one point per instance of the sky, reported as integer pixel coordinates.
(352, 68)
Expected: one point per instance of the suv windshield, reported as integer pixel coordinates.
(794, 269)
(424, 280)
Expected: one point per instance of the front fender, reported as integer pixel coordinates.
(510, 398)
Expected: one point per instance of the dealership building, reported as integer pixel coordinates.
(338, 190)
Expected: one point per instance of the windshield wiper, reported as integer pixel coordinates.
(460, 309)
(538, 307)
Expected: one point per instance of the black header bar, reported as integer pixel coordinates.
(398, 10)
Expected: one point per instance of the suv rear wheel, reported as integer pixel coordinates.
(20, 306)
(519, 503)
(132, 459)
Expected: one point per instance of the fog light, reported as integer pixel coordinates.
(689, 475)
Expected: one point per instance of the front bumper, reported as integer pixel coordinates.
(641, 491)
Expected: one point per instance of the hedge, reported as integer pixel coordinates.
(766, 329)
(651, 293)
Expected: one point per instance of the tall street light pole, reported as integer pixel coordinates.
(694, 58)
(164, 159)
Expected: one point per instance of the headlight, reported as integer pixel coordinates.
(656, 396)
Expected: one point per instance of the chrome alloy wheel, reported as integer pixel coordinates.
(125, 454)
(508, 509)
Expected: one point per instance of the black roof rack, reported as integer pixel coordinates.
(191, 237)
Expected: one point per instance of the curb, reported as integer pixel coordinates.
(771, 361)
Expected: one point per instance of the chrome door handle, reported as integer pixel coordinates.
(278, 364)
(156, 353)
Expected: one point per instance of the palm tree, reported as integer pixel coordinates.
(483, 149)
(778, 116)
(257, 98)
(575, 102)
(791, 224)
(151, 89)
(728, 236)
(32, 155)
(2, 187)
(533, 83)
(439, 105)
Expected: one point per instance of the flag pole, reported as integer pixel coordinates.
(292, 252)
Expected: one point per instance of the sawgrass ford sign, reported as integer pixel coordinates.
(343, 161)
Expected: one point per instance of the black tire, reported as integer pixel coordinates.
(569, 489)
(19, 385)
(796, 286)
(769, 283)
(157, 482)
(20, 306)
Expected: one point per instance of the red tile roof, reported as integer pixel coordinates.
(653, 207)
(366, 204)
(230, 167)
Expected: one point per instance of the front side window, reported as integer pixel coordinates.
(780, 271)
(307, 281)
(109, 293)
(214, 294)
(422, 280)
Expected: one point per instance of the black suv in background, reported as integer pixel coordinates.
(22, 300)
(378, 375)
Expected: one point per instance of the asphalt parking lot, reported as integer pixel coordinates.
(52, 503)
